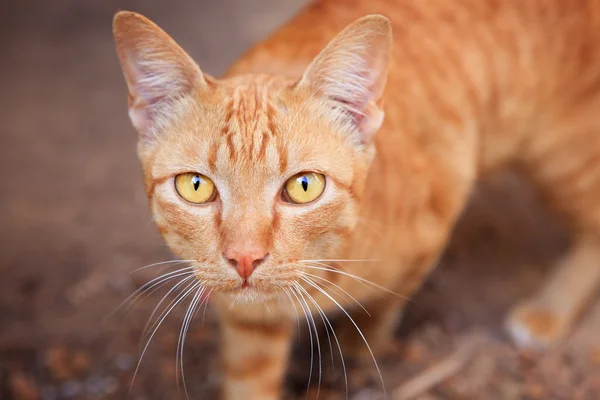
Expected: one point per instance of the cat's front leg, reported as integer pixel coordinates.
(547, 317)
(255, 351)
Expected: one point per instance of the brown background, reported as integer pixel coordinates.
(75, 224)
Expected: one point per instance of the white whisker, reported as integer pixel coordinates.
(147, 327)
(331, 268)
(206, 298)
(266, 305)
(235, 299)
(187, 320)
(161, 280)
(306, 311)
(180, 299)
(357, 278)
(328, 323)
(340, 288)
(287, 293)
(324, 324)
(301, 289)
(357, 329)
(148, 288)
(345, 260)
(161, 263)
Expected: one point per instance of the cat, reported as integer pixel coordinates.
(331, 162)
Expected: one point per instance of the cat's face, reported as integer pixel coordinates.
(250, 177)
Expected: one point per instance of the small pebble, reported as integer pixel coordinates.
(124, 362)
(94, 385)
(70, 389)
(22, 386)
(594, 356)
(81, 362)
(57, 360)
(111, 384)
(49, 393)
(535, 391)
(366, 394)
(414, 352)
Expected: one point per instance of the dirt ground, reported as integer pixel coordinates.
(75, 224)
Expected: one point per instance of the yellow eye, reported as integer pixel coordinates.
(304, 187)
(195, 188)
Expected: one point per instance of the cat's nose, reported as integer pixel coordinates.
(245, 262)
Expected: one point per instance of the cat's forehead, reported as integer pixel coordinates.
(251, 83)
(250, 128)
(247, 96)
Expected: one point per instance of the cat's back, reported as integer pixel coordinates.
(515, 67)
(539, 29)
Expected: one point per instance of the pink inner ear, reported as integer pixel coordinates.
(351, 71)
(147, 91)
(158, 71)
(354, 105)
(351, 110)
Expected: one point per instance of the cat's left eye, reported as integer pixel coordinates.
(195, 188)
(304, 187)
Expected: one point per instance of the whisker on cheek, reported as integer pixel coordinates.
(287, 293)
(365, 282)
(184, 281)
(306, 310)
(187, 320)
(178, 300)
(161, 263)
(355, 326)
(329, 328)
(205, 301)
(337, 292)
(148, 288)
(301, 292)
(344, 260)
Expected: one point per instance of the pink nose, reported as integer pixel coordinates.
(245, 262)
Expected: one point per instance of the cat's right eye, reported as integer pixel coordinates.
(195, 188)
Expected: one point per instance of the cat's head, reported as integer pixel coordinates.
(249, 176)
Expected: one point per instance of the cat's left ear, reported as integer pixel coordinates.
(156, 69)
(351, 73)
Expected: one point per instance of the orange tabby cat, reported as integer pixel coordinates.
(279, 178)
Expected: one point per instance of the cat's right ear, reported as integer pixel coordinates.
(351, 72)
(156, 69)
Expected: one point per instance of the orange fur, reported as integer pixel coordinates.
(471, 87)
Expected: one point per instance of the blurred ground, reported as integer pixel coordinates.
(75, 224)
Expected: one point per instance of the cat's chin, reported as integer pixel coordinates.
(250, 295)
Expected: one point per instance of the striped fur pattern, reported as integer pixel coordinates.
(471, 86)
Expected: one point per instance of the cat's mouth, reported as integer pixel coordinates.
(252, 286)
(250, 290)
(250, 293)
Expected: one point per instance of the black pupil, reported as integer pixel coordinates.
(196, 182)
(304, 180)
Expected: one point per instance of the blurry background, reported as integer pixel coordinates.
(75, 224)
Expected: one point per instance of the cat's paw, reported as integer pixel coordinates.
(533, 326)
